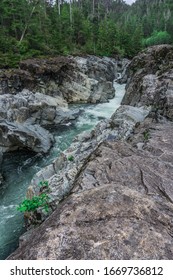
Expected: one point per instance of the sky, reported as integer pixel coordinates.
(129, 1)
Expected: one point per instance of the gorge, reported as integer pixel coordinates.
(19, 167)
(114, 199)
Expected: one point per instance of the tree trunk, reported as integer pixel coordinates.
(27, 24)
(93, 7)
(70, 13)
(59, 7)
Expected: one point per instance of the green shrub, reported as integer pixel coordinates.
(30, 205)
(157, 38)
(42, 200)
(44, 184)
(146, 135)
(71, 158)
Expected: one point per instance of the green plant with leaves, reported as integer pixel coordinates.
(157, 38)
(41, 200)
(30, 205)
(43, 184)
(70, 158)
(146, 135)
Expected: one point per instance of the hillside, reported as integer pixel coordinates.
(42, 28)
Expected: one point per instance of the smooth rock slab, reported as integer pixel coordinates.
(14, 136)
(108, 222)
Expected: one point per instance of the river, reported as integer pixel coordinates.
(20, 167)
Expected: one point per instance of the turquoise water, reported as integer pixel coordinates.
(20, 167)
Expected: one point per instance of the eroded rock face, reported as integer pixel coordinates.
(14, 136)
(75, 79)
(35, 108)
(1, 161)
(39, 92)
(121, 206)
(151, 80)
(89, 80)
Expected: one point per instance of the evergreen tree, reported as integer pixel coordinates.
(104, 27)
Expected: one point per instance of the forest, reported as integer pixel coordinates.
(43, 28)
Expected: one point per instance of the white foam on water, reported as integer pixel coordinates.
(94, 113)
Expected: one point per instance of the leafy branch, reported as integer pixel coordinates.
(42, 200)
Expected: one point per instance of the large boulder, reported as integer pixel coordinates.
(150, 77)
(35, 108)
(90, 81)
(14, 136)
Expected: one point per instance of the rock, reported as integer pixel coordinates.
(121, 70)
(35, 108)
(147, 73)
(76, 79)
(91, 80)
(73, 78)
(14, 136)
(121, 206)
(39, 92)
(15, 80)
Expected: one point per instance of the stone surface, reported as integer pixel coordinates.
(150, 78)
(35, 108)
(121, 206)
(39, 92)
(76, 79)
(1, 161)
(14, 136)
(62, 173)
(91, 81)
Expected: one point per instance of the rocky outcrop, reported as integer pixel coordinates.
(150, 80)
(35, 108)
(91, 82)
(62, 173)
(14, 136)
(76, 79)
(33, 75)
(121, 206)
(39, 92)
(1, 160)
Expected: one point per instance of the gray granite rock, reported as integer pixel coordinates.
(121, 206)
(14, 136)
